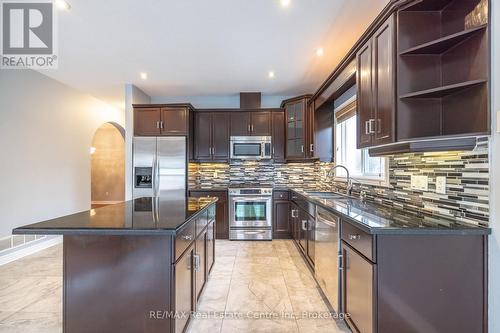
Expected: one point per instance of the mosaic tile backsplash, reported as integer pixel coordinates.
(466, 172)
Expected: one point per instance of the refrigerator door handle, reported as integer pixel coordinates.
(153, 177)
(157, 175)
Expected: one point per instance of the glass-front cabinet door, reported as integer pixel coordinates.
(295, 129)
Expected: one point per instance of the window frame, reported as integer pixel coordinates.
(382, 181)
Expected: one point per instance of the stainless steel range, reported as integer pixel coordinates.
(250, 213)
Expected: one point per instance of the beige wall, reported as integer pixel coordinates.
(108, 165)
(46, 130)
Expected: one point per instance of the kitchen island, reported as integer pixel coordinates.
(137, 266)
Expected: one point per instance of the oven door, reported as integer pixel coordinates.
(250, 212)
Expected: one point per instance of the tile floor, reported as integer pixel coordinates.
(249, 279)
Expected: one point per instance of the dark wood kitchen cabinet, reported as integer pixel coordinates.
(261, 123)
(294, 221)
(211, 136)
(359, 279)
(221, 213)
(200, 262)
(376, 96)
(307, 235)
(244, 123)
(174, 121)
(155, 120)
(147, 121)
(184, 291)
(278, 136)
(210, 246)
(299, 128)
(443, 69)
(375, 268)
(240, 123)
(256, 123)
(281, 210)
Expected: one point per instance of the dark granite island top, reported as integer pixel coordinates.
(129, 267)
(142, 216)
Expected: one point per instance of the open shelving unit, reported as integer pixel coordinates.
(443, 69)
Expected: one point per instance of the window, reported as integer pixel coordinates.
(360, 164)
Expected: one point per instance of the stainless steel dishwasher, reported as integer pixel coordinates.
(328, 256)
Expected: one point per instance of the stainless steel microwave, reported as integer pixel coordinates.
(251, 147)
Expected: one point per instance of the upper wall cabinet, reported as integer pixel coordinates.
(443, 69)
(278, 139)
(245, 123)
(157, 121)
(211, 136)
(299, 128)
(376, 77)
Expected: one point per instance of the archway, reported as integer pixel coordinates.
(108, 165)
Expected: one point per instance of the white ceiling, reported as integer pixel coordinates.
(205, 47)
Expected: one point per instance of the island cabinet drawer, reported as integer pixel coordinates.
(201, 222)
(184, 238)
(280, 195)
(360, 240)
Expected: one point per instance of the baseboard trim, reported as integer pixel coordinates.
(24, 250)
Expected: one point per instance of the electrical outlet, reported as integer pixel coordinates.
(420, 183)
(441, 185)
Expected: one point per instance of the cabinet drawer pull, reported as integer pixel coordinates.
(196, 262)
(158, 124)
(161, 124)
(354, 237)
(367, 125)
(304, 225)
(302, 148)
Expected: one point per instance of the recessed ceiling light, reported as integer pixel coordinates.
(320, 51)
(144, 76)
(270, 75)
(62, 4)
(285, 3)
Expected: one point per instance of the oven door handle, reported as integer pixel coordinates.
(259, 199)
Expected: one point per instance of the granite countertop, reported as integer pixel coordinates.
(142, 216)
(377, 219)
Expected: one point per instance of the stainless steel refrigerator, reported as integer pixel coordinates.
(160, 166)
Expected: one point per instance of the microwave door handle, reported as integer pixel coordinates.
(263, 150)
